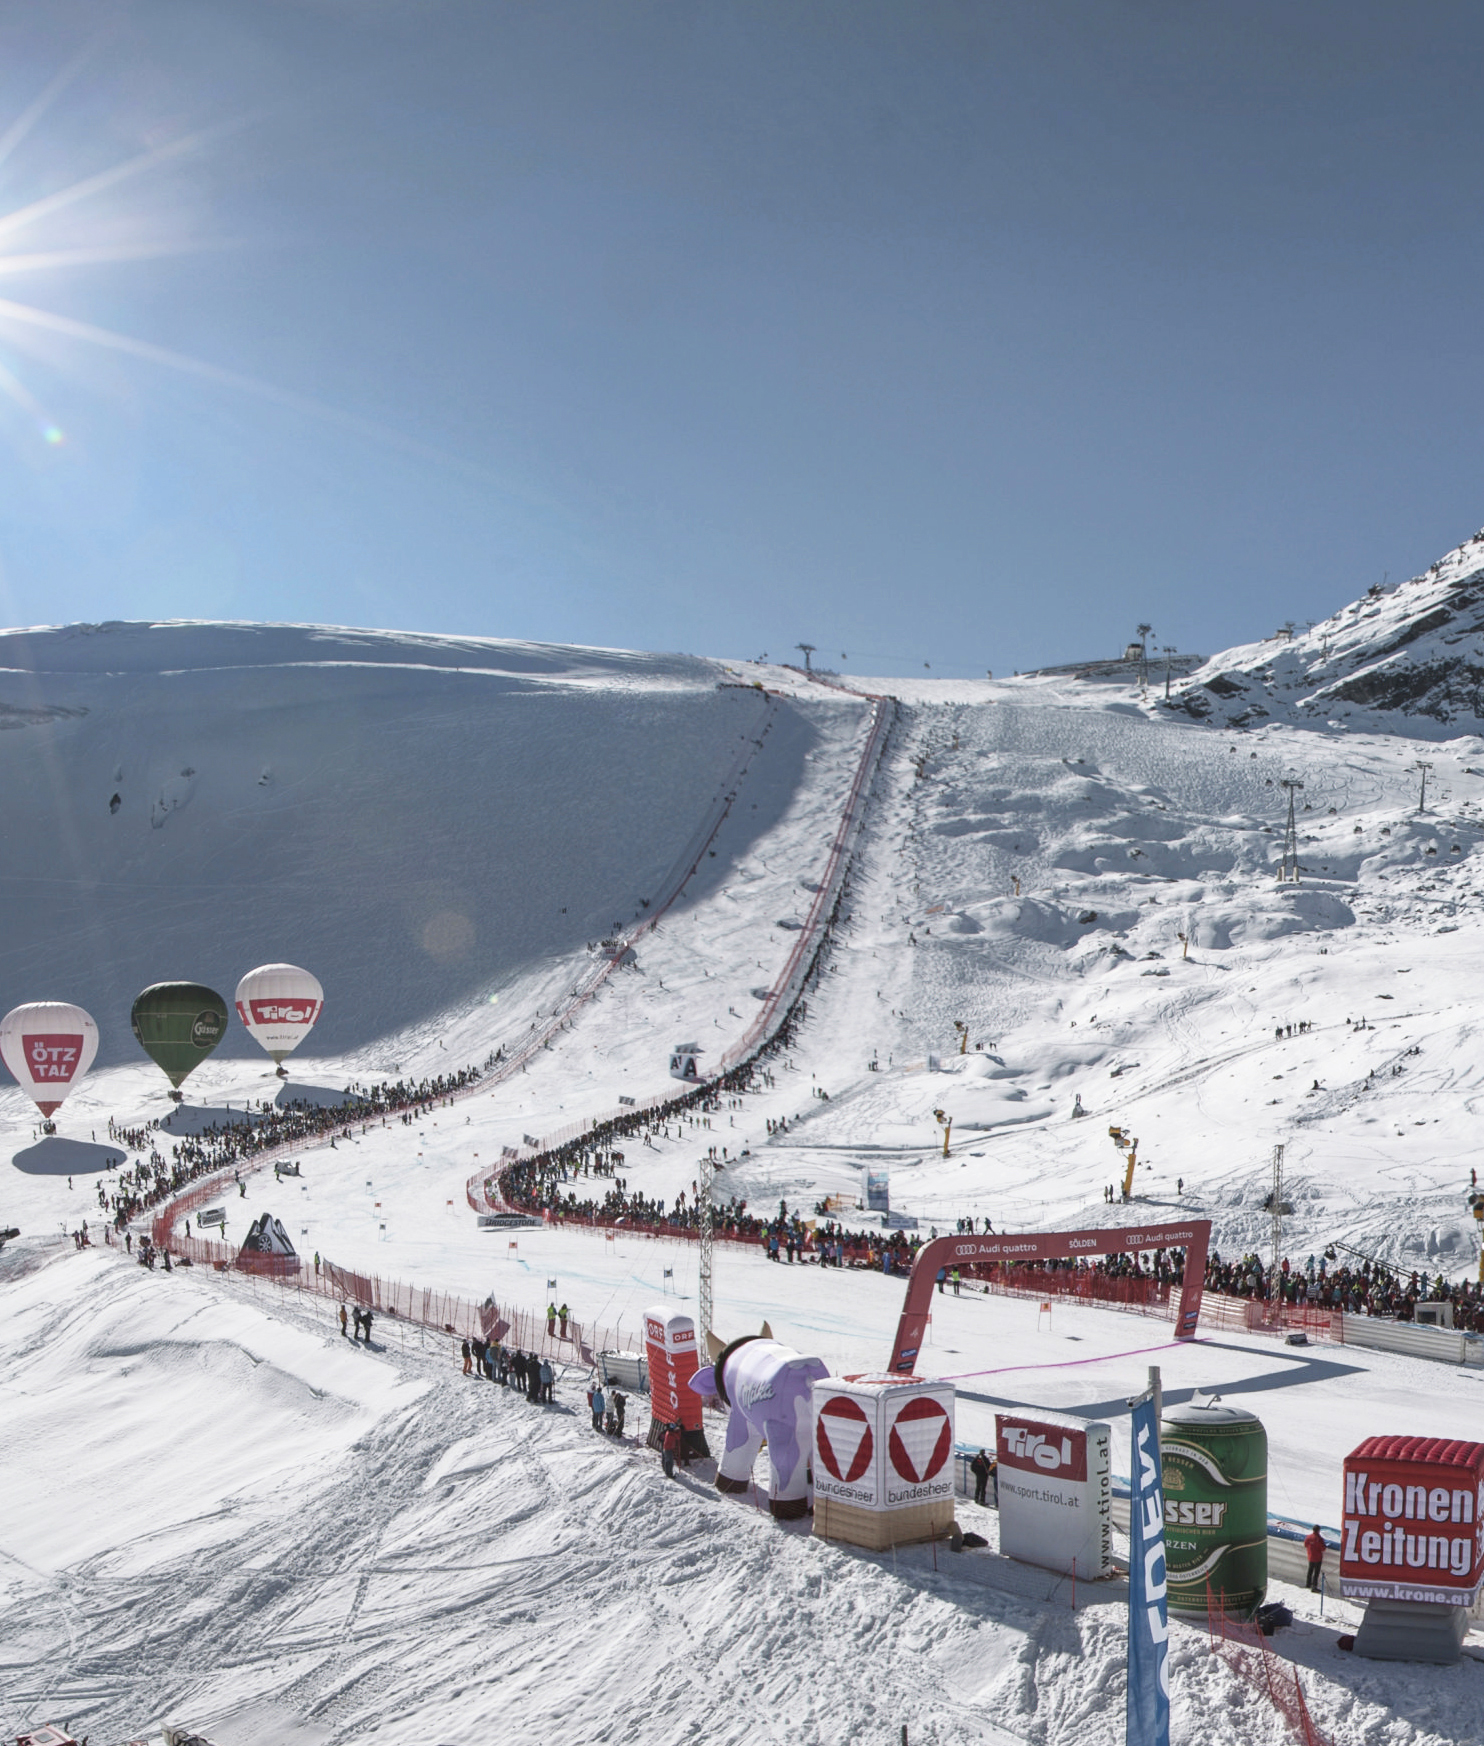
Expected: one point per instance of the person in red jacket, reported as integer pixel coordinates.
(669, 1449)
(1314, 1546)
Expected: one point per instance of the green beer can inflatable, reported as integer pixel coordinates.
(1215, 1460)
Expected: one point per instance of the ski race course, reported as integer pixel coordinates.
(556, 865)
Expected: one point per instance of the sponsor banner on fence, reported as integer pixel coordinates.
(1412, 1526)
(883, 1442)
(1056, 1492)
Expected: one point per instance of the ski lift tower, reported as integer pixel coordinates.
(1288, 868)
(703, 1214)
(1422, 767)
(807, 650)
(1144, 630)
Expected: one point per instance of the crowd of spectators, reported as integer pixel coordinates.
(552, 1184)
(269, 1127)
(1366, 1287)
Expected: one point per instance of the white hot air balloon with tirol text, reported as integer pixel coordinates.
(279, 1003)
(48, 1045)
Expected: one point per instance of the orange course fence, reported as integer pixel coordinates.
(460, 1318)
(1242, 1646)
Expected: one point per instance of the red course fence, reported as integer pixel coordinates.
(418, 1306)
(1242, 1646)
(1259, 1317)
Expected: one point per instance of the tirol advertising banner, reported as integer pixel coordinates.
(883, 1442)
(1056, 1492)
(1412, 1527)
(1148, 1716)
(670, 1346)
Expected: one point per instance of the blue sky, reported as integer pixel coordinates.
(961, 334)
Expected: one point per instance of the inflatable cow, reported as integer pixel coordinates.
(767, 1387)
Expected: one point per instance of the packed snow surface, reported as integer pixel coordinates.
(221, 1513)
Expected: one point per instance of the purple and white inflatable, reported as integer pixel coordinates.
(767, 1387)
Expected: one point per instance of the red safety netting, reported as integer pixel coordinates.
(1242, 1646)
(443, 1312)
(1258, 1316)
(1145, 1297)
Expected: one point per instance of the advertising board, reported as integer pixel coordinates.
(1056, 1491)
(1412, 1529)
(670, 1347)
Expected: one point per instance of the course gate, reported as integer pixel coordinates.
(1194, 1237)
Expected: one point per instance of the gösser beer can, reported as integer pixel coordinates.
(1215, 1460)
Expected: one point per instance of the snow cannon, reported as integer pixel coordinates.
(768, 1389)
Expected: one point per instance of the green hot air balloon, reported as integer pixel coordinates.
(178, 1024)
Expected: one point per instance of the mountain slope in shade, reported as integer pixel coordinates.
(1416, 651)
(422, 820)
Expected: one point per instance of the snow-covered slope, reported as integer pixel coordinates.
(422, 821)
(1416, 650)
(1033, 854)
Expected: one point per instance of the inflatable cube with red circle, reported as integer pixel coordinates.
(883, 1459)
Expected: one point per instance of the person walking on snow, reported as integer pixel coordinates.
(669, 1449)
(342, 1321)
(598, 1405)
(548, 1377)
(468, 1359)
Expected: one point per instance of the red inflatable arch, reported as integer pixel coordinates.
(1194, 1237)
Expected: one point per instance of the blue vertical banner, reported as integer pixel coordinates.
(1148, 1618)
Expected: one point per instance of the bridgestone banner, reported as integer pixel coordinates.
(1056, 1492)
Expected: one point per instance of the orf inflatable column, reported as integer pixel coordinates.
(670, 1346)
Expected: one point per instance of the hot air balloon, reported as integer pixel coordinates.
(279, 1004)
(48, 1045)
(178, 1024)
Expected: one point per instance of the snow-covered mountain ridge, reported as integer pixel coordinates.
(1414, 652)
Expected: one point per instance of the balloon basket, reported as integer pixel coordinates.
(176, 1096)
(282, 1072)
(48, 1127)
